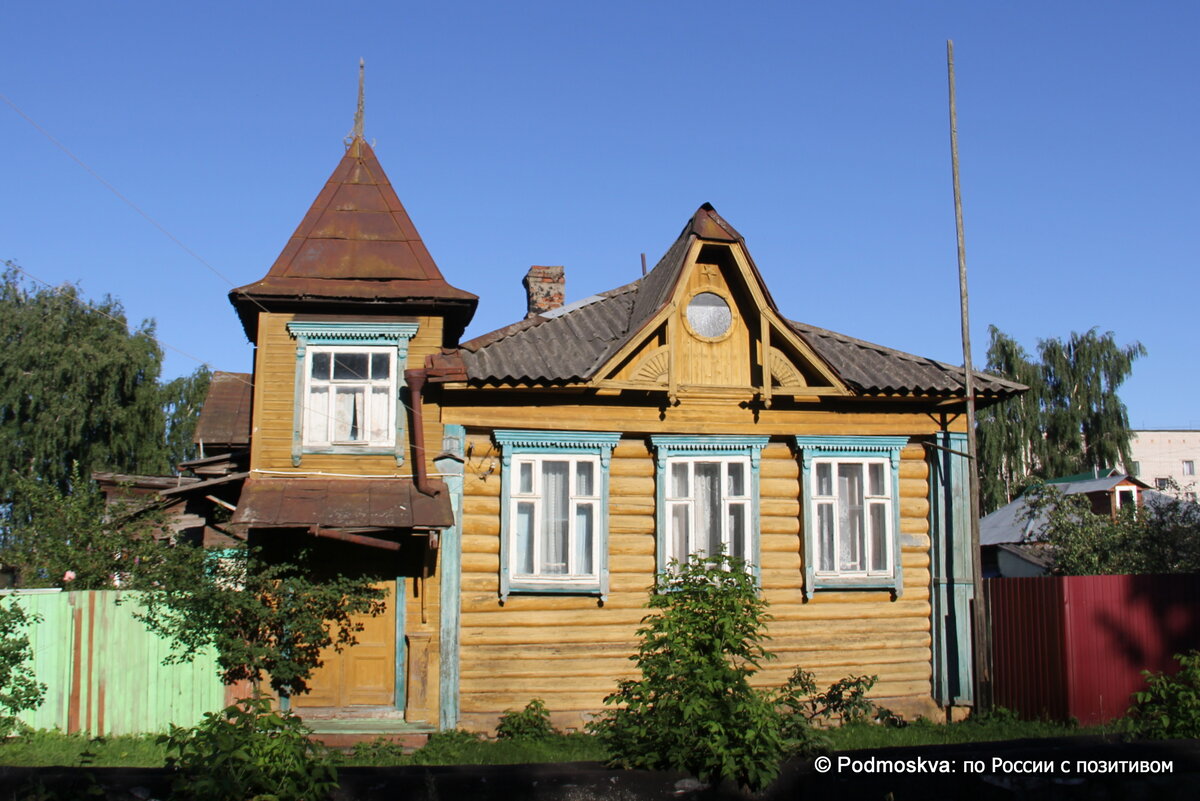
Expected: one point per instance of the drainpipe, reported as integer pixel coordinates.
(416, 386)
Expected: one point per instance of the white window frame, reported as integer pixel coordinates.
(674, 449)
(319, 428)
(833, 451)
(323, 336)
(533, 450)
(689, 504)
(838, 504)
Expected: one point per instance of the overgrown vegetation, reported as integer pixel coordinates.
(1070, 421)
(69, 539)
(1160, 536)
(265, 619)
(694, 709)
(248, 750)
(530, 723)
(20, 690)
(1169, 707)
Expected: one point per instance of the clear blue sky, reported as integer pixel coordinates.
(584, 134)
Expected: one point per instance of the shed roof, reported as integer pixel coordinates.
(341, 503)
(356, 245)
(225, 415)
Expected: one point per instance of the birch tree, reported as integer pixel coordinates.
(1070, 421)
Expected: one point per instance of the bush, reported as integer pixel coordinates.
(20, 690)
(693, 708)
(249, 751)
(1169, 707)
(531, 723)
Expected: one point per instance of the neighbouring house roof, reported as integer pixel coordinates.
(355, 246)
(571, 343)
(224, 421)
(341, 503)
(1012, 523)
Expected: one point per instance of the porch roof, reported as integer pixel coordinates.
(341, 503)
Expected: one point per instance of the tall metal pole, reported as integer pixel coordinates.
(981, 629)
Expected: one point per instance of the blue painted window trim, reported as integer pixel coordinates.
(314, 334)
(668, 446)
(848, 448)
(576, 443)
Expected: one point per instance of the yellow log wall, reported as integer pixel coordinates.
(271, 451)
(572, 651)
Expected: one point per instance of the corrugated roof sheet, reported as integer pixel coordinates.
(555, 348)
(341, 503)
(571, 343)
(224, 419)
(875, 369)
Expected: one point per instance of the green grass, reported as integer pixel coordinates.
(461, 748)
(49, 748)
(924, 732)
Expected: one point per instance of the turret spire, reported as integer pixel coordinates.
(357, 133)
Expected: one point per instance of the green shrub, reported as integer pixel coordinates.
(693, 709)
(20, 690)
(1169, 707)
(249, 751)
(531, 723)
(846, 700)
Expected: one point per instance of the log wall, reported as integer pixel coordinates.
(572, 651)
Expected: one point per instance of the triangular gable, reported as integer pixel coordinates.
(704, 322)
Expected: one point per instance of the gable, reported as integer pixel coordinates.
(716, 332)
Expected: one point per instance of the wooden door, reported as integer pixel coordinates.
(363, 674)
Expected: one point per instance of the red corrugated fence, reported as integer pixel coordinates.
(1075, 646)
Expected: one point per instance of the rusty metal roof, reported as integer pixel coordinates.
(570, 344)
(341, 503)
(355, 245)
(224, 420)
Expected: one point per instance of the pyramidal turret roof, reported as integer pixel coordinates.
(356, 245)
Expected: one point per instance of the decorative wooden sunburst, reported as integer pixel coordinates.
(653, 368)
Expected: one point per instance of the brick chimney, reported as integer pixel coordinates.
(546, 288)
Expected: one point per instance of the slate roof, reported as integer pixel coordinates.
(355, 245)
(570, 344)
(1011, 522)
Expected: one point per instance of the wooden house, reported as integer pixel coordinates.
(519, 491)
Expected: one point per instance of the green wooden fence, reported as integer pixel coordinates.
(103, 670)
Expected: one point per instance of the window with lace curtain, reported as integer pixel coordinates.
(554, 498)
(349, 376)
(350, 396)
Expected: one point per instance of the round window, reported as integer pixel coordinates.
(709, 315)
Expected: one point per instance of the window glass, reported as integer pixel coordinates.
(707, 507)
(583, 478)
(381, 364)
(352, 366)
(320, 365)
(709, 315)
(555, 531)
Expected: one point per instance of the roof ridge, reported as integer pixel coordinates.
(490, 338)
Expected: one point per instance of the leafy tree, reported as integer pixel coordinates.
(79, 386)
(1162, 536)
(181, 400)
(19, 688)
(263, 618)
(68, 539)
(694, 709)
(1071, 420)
